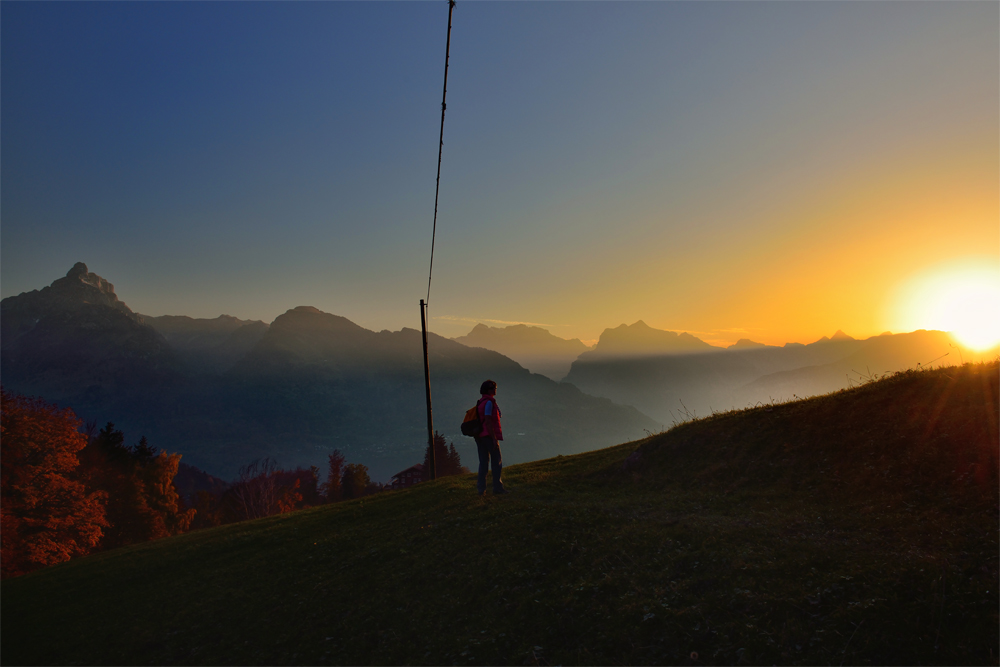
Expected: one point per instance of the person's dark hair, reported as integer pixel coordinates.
(488, 387)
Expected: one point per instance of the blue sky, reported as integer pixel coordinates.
(771, 170)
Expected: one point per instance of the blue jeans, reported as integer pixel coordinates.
(489, 449)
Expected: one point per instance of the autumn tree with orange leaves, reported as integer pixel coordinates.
(142, 502)
(46, 516)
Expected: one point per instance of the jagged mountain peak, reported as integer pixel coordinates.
(638, 326)
(517, 336)
(79, 274)
(75, 335)
(533, 347)
(746, 344)
(78, 289)
(641, 339)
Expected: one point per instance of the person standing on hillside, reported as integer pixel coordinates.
(488, 441)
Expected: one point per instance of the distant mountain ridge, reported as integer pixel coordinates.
(746, 343)
(75, 337)
(78, 290)
(542, 352)
(308, 383)
(533, 347)
(640, 339)
(208, 345)
(325, 373)
(669, 387)
(225, 390)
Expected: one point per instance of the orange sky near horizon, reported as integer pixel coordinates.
(798, 267)
(763, 170)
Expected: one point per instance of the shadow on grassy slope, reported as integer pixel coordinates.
(855, 528)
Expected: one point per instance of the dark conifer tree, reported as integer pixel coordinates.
(310, 487)
(455, 461)
(354, 481)
(448, 460)
(332, 489)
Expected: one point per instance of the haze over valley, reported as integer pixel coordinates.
(225, 391)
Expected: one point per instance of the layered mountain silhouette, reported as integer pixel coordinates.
(224, 391)
(310, 382)
(75, 339)
(328, 377)
(877, 355)
(642, 340)
(535, 348)
(671, 387)
(208, 345)
(746, 344)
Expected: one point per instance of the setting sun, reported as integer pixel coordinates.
(962, 298)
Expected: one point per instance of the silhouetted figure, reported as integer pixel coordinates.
(488, 441)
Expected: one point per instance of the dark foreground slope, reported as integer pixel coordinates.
(855, 528)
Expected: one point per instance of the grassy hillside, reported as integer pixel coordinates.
(855, 528)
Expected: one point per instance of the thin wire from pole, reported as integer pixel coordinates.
(437, 186)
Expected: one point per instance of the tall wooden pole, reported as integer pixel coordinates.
(427, 386)
(430, 272)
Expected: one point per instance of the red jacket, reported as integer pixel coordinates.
(489, 412)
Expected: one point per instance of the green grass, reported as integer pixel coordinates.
(855, 528)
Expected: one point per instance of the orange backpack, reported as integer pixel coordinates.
(472, 426)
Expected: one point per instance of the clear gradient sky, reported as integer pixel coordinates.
(771, 170)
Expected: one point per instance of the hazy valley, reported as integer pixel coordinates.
(673, 376)
(224, 391)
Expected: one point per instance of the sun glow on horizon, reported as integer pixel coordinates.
(962, 298)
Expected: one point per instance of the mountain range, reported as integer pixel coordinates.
(533, 347)
(642, 340)
(225, 391)
(207, 346)
(76, 338)
(674, 387)
(672, 376)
